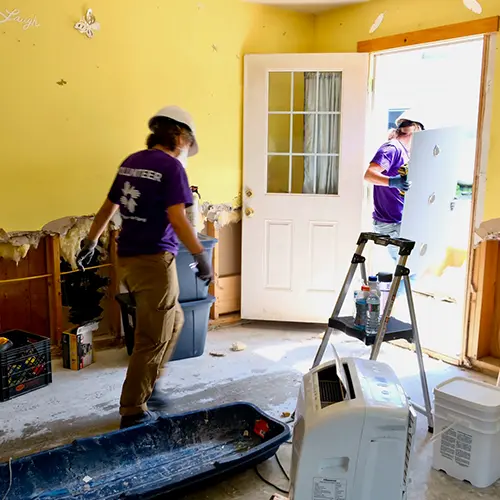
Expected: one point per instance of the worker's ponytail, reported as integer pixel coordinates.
(166, 133)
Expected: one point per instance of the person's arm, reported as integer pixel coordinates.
(375, 176)
(381, 163)
(183, 228)
(179, 196)
(101, 220)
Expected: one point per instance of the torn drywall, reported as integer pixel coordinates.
(222, 214)
(16, 245)
(488, 230)
(72, 230)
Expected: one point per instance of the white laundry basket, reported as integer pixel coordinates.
(469, 414)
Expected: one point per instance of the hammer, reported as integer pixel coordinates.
(403, 172)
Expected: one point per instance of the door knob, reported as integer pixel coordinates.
(249, 212)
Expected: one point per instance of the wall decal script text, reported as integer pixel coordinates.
(14, 16)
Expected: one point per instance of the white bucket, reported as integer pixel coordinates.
(469, 414)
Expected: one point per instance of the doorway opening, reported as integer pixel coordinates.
(440, 85)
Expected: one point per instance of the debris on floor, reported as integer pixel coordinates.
(195, 385)
(238, 346)
(217, 354)
(285, 414)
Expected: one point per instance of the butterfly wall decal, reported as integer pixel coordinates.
(88, 24)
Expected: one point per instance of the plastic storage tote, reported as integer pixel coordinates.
(191, 343)
(26, 366)
(192, 288)
(467, 414)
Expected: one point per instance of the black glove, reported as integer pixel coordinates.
(204, 266)
(86, 253)
(400, 183)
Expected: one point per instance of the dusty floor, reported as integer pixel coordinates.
(267, 373)
(435, 318)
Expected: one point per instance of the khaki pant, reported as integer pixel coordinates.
(152, 281)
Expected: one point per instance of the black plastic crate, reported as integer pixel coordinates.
(26, 366)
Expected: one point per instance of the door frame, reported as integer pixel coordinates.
(486, 29)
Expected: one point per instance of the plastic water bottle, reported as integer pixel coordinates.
(372, 313)
(385, 282)
(361, 308)
(373, 284)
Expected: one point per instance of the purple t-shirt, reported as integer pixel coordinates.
(389, 202)
(147, 183)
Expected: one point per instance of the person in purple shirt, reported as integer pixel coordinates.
(151, 191)
(389, 185)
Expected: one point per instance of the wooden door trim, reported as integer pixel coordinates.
(470, 347)
(448, 32)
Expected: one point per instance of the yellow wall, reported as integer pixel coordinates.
(60, 145)
(340, 30)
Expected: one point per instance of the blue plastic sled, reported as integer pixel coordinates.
(161, 459)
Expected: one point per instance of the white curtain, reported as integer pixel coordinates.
(321, 173)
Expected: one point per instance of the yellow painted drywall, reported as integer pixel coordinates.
(341, 29)
(72, 108)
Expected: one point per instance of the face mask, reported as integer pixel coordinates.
(183, 157)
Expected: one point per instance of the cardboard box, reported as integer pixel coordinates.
(77, 346)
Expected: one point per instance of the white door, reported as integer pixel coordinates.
(435, 167)
(304, 143)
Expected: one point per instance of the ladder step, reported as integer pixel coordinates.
(396, 330)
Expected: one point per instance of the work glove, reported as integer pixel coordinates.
(400, 183)
(86, 253)
(203, 267)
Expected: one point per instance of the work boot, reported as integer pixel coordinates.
(141, 418)
(158, 401)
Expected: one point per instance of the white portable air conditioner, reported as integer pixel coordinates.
(352, 440)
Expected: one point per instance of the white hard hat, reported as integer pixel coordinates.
(409, 116)
(179, 115)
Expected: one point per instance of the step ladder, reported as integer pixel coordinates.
(390, 328)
